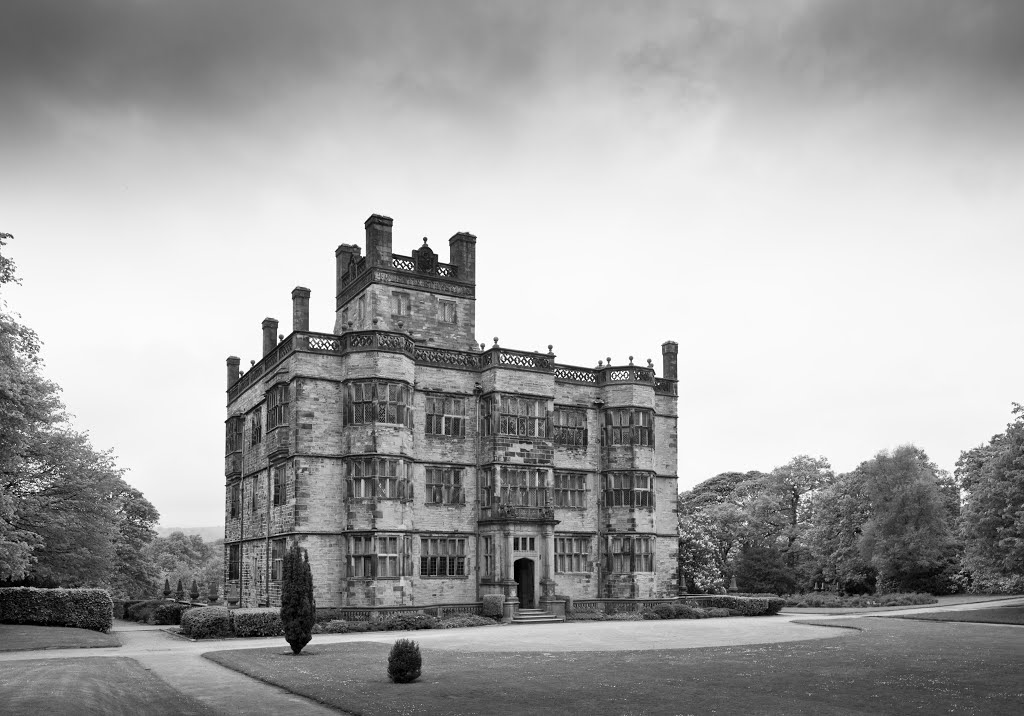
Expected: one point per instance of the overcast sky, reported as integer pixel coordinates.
(821, 201)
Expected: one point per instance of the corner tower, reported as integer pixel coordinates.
(433, 302)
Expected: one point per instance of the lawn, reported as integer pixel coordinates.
(104, 686)
(994, 615)
(21, 637)
(884, 666)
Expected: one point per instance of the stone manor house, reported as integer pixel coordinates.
(418, 467)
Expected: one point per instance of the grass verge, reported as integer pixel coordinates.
(888, 666)
(107, 686)
(22, 637)
(995, 615)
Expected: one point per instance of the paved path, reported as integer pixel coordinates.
(179, 662)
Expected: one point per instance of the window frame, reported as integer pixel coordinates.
(574, 552)
(631, 554)
(372, 478)
(378, 556)
(366, 401)
(628, 426)
(524, 487)
(256, 426)
(570, 490)
(446, 308)
(569, 427)
(234, 565)
(235, 500)
(278, 547)
(279, 486)
(277, 406)
(446, 482)
(522, 416)
(628, 488)
(446, 554)
(445, 415)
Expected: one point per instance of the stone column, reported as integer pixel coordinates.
(511, 607)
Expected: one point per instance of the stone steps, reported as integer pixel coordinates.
(536, 616)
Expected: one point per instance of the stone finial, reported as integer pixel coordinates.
(650, 363)
(551, 349)
(495, 340)
(609, 359)
(483, 346)
(600, 364)
(631, 360)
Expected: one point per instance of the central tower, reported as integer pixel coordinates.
(432, 301)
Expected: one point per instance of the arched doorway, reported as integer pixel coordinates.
(523, 574)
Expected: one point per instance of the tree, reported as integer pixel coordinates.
(66, 515)
(188, 558)
(700, 564)
(841, 509)
(298, 608)
(908, 537)
(992, 525)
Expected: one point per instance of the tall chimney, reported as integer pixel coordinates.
(300, 309)
(669, 360)
(233, 363)
(462, 250)
(378, 240)
(344, 254)
(269, 334)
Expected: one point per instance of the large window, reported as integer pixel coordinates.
(277, 550)
(234, 561)
(443, 557)
(378, 478)
(570, 489)
(233, 434)
(572, 554)
(446, 415)
(377, 402)
(236, 500)
(256, 427)
(279, 497)
(526, 417)
(522, 488)
(569, 427)
(628, 489)
(277, 406)
(379, 556)
(631, 554)
(628, 426)
(445, 486)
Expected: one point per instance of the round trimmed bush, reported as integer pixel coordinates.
(404, 661)
(169, 613)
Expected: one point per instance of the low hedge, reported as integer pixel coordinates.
(493, 606)
(257, 622)
(169, 613)
(206, 623)
(145, 611)
(828, 599)
(78, 608)
(465, 620)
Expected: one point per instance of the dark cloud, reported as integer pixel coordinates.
(191, 60)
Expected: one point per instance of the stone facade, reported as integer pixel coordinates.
(418, 467)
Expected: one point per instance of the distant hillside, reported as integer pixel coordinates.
(208, 534)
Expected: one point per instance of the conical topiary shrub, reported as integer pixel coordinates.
(404, 661)
(193, 592)
(298, 609)
(167, 588)
(180, 593)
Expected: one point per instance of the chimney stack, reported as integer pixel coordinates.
(233, 363)
(670, 360)
(269, 334)
(300, 309)
(378, 240)
(462, 252)
(344, 255)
